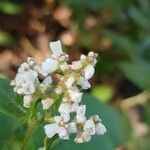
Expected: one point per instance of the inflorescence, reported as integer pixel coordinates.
(56, 77)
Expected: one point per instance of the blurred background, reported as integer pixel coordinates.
(118, 30)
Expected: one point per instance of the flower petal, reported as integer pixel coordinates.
(100, 129)
(89, 72)
(56, 48)
(51, 129)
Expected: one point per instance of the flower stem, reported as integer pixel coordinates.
(31, 128)
(48, 142)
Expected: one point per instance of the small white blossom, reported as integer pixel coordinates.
(65, 117)
(58, 90)
(70, 81)
(72, 128)
(47, 80)
(82, 57)
(64, 66)
(100, 128)
(89, 72)
(91, 54)
(63, 134)
(75, 96)
(64, 108)
(56, 48)
(51, 129)
(89, 127)
(76, 65)
(84, 83)
(24, 67)
(25, 82)
(47, 103)
(82, 137)
(80, 117)
(27, 99)
(49, 66)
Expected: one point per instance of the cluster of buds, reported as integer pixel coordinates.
(55, 76)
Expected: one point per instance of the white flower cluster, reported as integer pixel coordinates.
(56, 76)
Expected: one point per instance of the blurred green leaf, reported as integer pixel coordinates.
(37, 139)
(121, 42)
(101, 143)
(5, 38)
(8, 103)
(10, 8)
(138, 73)
(139, 18)
(8, 129)
(117, 131)
(97, 4)
(102, 92)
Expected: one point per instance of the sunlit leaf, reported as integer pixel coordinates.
(8, 102)
(102, 92)
(5, 38)
(11, 8)
(138, 73)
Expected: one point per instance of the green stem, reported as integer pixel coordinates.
(31, 128)
(48, 142)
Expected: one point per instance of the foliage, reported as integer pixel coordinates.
(119, 32)
(116, 127)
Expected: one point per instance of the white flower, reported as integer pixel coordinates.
(89, 127)
(89, 72)
(82, 137)
(80, 117)
(56, 48)
(65, 117)
(51, 129)
(64, 66)
(58, 90)
(31, 61)
(84, 83)
(56, 79)
(75, 96)
(96, 119)
(82, 57)
(27, 99)
(91, 54)
(47, 103)
(57, 119)
(76, 65)
(49, 66)
(64, 108)
(70, 81)
(67, 107)
(63, 134)
(100, 128)
(47, 80)
(24, 67)
(26, 82)
(72, 128)
(60, 128)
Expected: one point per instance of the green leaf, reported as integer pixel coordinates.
(139, 18)
(5, 38)
(103, 92)
(8, 104)
(117, 131)
(37, 139)
(138, 73)
(121, 42)
(9, 129)
(10, 8)
(98, 143)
